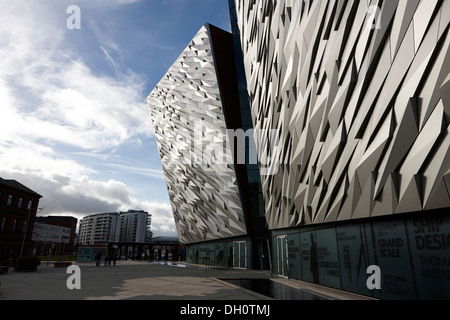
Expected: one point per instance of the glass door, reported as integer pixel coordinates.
(240, 254)
(282, 257)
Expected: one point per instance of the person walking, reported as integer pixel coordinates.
(97, 259)
(106, 260)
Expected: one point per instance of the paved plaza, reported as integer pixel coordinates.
(131, 280)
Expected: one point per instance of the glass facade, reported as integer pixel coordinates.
(412, 253)
(229, 253)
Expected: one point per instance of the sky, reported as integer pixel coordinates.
(74, 123)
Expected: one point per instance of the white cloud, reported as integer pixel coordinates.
(71, 105)
(152, 173)
(113, 64)
(81, 196)
(22, 157)
(112, 2)
(111, 192)
(126, 1)
(52, 101)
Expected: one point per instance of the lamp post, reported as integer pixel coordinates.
(26, 227)
(28, 222)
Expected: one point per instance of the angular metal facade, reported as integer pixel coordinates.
(359, 93)
(187, 111)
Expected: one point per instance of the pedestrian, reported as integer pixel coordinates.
(109, 260)
(106, 260)
(97, 259)
(114, 258)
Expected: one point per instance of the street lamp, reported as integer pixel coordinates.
(26, 227)
(28, 221)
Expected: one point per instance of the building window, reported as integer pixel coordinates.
(10, 198)
(20, 202)
(29, 204)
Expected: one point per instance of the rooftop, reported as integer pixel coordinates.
(17, 185)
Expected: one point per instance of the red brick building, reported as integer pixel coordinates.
(18, 207)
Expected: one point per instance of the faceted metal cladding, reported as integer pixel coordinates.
(190, 127)
(359, 92)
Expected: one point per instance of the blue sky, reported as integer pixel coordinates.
(74, 124)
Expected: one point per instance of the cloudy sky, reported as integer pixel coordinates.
(74, 124)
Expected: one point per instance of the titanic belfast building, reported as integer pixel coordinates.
(314, 140)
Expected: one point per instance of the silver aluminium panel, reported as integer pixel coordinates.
(190, 128)
(359, 94)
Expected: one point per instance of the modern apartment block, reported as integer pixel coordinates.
(358, 93)
(98, 229)
(349, 106)
(135, 227)
(101, 229)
